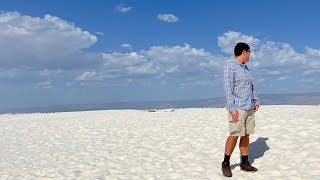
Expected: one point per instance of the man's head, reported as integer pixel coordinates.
(242, 52)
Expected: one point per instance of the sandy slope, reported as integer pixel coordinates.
(132, 144)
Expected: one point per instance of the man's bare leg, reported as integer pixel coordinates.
(244, 149)
(230, 145)
(244, 145)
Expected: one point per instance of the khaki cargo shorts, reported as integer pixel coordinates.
(244, 125)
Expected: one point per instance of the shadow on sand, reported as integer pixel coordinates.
(257, 150)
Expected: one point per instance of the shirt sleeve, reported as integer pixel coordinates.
(255, 97)
(228, 77)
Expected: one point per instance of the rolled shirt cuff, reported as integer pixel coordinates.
(232, 109)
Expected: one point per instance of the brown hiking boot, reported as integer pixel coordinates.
(226, 171)
(247, 167)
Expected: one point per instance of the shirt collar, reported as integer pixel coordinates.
(244, 64)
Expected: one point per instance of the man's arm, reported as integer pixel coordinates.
(228, 77)
(255, 99)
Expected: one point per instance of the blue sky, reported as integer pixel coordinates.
(79, 52)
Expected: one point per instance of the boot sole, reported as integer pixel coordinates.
(248, 171)
(226, 176)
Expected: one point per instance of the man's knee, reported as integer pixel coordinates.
(233, 138)
(245, 136)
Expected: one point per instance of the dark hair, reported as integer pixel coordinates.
(240, 47)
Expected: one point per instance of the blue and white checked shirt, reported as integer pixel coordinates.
(238, 86)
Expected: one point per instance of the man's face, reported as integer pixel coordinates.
(246, 55)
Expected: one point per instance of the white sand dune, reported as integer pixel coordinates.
(132, 144)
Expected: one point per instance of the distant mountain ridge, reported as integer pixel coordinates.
(266, 99)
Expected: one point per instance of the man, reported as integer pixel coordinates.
(242, 103)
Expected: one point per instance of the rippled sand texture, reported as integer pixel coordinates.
(166, 144)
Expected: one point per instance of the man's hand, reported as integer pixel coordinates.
(235, 115)
(256, 107)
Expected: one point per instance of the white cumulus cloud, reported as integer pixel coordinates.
(123, 9)
(86, 76)
(229, 39)
(158, 62)
(126, 45)
(47, 42)
(168, 18)
(42, 48)
(313, 52)
(46, 84)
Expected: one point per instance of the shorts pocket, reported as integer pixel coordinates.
(235, 127)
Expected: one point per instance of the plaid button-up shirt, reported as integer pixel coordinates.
(238, 85)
